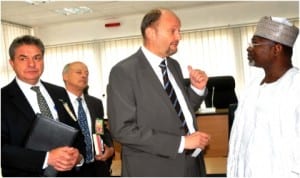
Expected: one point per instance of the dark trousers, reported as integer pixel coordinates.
(94, 169)
(195, 167)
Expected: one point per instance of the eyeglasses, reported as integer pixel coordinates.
(252, 45)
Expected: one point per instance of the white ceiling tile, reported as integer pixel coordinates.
(23, 13)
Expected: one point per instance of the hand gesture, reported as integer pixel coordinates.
(198, 78)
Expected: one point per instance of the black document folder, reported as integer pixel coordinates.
(47, 134)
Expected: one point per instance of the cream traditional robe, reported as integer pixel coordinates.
(265, 137)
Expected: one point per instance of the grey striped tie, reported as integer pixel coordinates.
(44, 108)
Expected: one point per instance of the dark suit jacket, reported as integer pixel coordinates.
(143, 120)
(17, 117)
(97, 168)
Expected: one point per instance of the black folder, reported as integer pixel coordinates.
(47, 134)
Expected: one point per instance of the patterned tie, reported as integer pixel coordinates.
(44, 108)
(82, 119)
(172, 95)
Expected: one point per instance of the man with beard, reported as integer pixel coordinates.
(151, 111)
(265, 137)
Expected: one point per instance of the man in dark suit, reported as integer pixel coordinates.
(142, 117)
(19, 106)
(75, 76)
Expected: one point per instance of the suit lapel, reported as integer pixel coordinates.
(147, 74)
(58, 97)
(177, 77)
(55, 98)
(20, 101)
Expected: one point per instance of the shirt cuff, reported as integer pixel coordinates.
(81, 162)
(198, 91)
(45, 165)
(196, 152)
(181, 146)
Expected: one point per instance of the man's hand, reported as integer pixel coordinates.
(108, 152)
(196, 140)
(63, 158)
(198, 78)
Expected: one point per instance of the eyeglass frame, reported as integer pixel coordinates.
(252, 45)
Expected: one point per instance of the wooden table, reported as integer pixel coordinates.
(215, 124)
(215, 154)
(215, 165)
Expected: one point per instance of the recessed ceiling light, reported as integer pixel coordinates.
(37, 2)
(74, 10)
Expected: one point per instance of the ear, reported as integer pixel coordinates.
(277, 49)
(11, 62)
(65, 77)
(150, 32)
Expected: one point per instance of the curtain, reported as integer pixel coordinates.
(217, 51)
(99, 56)
(210, 50)
(9, 31)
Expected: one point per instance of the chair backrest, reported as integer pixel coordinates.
(221, 92)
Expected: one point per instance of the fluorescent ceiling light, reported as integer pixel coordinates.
(74, 10)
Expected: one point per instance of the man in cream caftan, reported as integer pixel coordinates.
(265, 137)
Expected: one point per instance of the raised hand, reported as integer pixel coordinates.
(198, 78)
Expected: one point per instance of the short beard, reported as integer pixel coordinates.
(251, 63)
(170, 52)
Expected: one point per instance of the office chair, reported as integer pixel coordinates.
(221, 92)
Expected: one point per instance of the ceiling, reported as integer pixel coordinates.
(43, 13)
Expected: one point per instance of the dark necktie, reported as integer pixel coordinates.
(82, 120)
(172, 95)
(44, 108)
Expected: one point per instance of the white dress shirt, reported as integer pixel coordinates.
(32, 98)
(155, 61)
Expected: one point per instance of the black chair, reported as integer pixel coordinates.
(221, 92)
